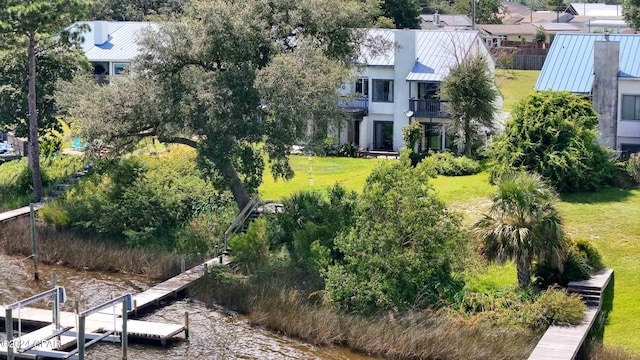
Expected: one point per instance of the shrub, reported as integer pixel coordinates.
(348, 149)
(447, 164)
(633, 166)
(582, 259)
(402, 249)
(251, 249)
(555, 135)
(309, 225)
(523, 309)
(148, 199)
(411, 134)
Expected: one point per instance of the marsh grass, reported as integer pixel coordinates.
(65, 247)
(414, 335)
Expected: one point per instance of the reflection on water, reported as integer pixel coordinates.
(212, 335)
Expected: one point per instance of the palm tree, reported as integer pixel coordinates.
(523, 225)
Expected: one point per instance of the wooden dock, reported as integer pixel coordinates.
(563, 342)
(23, 211)
(169, 289)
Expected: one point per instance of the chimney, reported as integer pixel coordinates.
(606, 64)
(100, 32)
(436, 19)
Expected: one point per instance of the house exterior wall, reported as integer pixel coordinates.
(628, 130)
(605, 89)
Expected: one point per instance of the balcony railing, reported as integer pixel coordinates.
(352, 103)
(429, 108)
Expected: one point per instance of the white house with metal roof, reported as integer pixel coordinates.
(402, 84)
(110, 46)
(606, 68)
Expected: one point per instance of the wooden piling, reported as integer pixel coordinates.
(186, 324)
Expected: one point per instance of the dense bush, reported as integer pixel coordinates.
(523, 309)
(251, 249)
(445, 163)
(16, 185)
(582, 259)
(146, 200)
(633, 167)
(555, 135)
(402, 249)
(309, 225)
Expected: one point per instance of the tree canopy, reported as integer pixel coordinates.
(135, 10)
(632, 13)
(33, 28)
(471, 94)
(405, 13)
(229, 76)
(486, 10)
(403, 248)
(555, 135)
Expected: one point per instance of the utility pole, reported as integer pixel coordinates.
(473, 16)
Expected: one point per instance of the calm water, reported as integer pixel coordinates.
(212, 335)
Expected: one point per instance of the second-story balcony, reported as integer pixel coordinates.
(354, 103)
(429, 108)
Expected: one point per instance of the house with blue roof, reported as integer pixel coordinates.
(402, 84)
(605, 68)
(110, 46)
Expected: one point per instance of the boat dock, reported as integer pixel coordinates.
(23, 211)
(563, 342)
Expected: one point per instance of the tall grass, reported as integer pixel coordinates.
(415, 335)
(68, 248)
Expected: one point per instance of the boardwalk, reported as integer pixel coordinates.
(168, 289)
(563, 342)
(23, 211)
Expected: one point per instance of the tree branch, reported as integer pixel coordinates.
(179, 140)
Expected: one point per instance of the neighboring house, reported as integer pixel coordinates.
(402, 84)
(446, 22)
(524, 33)
(605, 68)
(598, 17)
(110, 46)
(594, 9)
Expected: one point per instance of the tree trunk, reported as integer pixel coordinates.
(33, 147)
(235, 184)
(467, 137)
(524, 272)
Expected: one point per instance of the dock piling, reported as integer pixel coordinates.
(186, 324)
(183, 266)
(32, 223)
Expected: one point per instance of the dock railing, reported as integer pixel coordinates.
(239, 221)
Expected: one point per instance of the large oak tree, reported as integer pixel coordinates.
(227, 77)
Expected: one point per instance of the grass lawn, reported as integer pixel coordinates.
(515, 85)
(608, 217)
(325, 171)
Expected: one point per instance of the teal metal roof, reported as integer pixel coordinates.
(569, 64)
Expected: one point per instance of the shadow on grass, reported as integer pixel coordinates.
(602, 195)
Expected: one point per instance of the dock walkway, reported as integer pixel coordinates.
(23, 211)
(562, 342)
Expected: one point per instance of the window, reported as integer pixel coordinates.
(630, 107)
(382, 90)
(362, 87)
(119, 68)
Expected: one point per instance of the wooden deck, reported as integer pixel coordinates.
(12, 214)
(562, 342)
(167, 289)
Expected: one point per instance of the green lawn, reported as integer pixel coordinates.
(324, 172)
(608, 217)
(515, 85)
